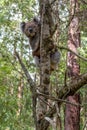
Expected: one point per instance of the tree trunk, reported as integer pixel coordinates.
(72, 113)
(72, 117)
(85, 110)
(47, 27)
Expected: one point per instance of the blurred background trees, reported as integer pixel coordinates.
(15, 96)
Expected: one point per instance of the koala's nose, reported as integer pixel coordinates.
(30, 30)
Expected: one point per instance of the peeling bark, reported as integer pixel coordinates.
(72, 113)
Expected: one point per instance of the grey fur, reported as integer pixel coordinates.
(22, 25)
(55, 57)
(34, 42)
(37, 61)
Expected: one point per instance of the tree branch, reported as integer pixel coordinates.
(83, 1)
(53, 2)
(57, 100)
(29, 79)
(65, 48)
(73, 86)
(70, 89)
(31, 83)
(66, 91)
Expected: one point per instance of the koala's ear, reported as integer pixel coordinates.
(36, 20)
(22, 26)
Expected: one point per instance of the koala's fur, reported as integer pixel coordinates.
(32, 31)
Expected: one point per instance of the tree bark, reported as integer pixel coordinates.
(72, 113)
(46, 41)
(72, 117)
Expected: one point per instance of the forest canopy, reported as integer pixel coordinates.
(22, 85)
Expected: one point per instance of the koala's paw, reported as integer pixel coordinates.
(55, 57)
(37, 61)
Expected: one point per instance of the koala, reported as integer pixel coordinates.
(32, 31)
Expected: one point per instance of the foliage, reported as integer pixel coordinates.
(12, 12)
